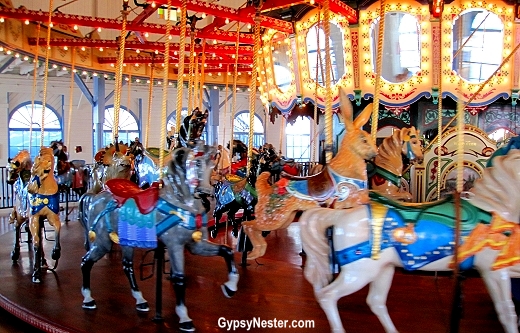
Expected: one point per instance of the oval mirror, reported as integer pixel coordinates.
(316, 55)
(401, 47)
(478, 37)
(280, 52)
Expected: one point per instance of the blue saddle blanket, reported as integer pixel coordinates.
(136, 229)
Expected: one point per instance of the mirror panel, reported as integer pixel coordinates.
(316, 55)
(281, 59)
(401, 47)
(479, 34)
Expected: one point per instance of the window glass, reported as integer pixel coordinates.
(241, 129)
(298, 140)
(20, 123)
(480, 34)
(316, 55)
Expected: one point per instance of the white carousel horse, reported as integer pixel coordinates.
(418, 236)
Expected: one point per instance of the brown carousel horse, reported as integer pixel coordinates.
(18, 175)
(113, 162)
(342, 183)
(44, 200)
(389, 162)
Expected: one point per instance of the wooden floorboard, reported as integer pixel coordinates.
(273, 287)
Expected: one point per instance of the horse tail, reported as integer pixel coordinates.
(313, 233)
(83, 206)
(262, 184)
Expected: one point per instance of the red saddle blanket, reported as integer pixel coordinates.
(124, 189)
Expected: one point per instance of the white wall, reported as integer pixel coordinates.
(79, 132)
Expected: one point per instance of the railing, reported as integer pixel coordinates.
(7, 192)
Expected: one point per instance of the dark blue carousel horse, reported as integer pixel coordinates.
(173, 211)
(235, 190)
(146, 162)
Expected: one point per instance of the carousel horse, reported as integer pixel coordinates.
(512, 143)
(69, 174)
(18, 175)
(372, 239)
(146, 163)
(389, 162)
(44, 200)
(235, 190)
(192, 128)
(173, 211)
(109, 165)
(342, 183)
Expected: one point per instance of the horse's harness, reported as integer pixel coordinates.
(39, 201)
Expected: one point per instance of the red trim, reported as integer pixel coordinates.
(115, 24)
(136, 45)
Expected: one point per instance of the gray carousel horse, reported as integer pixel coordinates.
(173, 211)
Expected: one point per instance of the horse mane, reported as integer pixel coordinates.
(24, 158)
(496, 190)
(389, 152)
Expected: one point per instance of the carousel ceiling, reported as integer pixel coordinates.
(96, 26)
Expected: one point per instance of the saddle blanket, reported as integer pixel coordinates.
(136, 229)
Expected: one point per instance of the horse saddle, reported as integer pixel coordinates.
(124, 189)
(319, 186)
(237, 183)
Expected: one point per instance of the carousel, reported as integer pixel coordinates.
(404, 217)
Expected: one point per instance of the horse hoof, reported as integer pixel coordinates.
(36, 278)
(89, 305)
(56, 254)
(142, 307)
(187, 326)
(214, 233)
(15, 255)
(227, 292)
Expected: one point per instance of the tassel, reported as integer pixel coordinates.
(91, 236)
(114, 237)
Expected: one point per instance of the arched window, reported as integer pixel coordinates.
(241, 129)
(128, 128)
(20, 126)
(298, 135)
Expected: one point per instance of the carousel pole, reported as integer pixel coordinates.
(328, 92)
(46, 73)
(180, 71)
(35, 79)
(379, 69)
(119, 75)
(234, 100)
(159, 251)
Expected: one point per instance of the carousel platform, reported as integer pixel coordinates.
(272, 287)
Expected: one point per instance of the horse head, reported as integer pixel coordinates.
(42, 168)
(411, 144)
(22, 161)
(121, 166)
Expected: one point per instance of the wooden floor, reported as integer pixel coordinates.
(273, 287)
